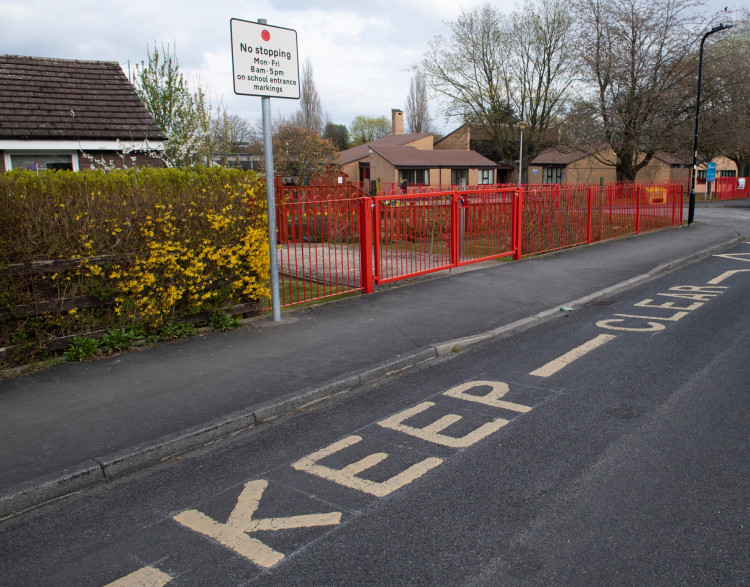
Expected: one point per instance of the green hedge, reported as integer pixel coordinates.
(153, 245)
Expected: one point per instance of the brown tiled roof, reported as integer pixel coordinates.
(65, 99)
(564, 155)
(363, 151)
(670, 159)
(413, 157)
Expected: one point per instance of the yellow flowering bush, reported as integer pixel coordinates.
(153, 245)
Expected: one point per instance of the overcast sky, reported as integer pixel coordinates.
(360, 51)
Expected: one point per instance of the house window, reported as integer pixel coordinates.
(554, 175)
(486, 176)
(728, 173)
(414, 176)
(41, 161)
(459, 177)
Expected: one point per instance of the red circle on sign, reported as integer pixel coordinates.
(265, 35)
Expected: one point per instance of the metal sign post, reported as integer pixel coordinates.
(265, 64)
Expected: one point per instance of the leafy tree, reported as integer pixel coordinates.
(365, 129)
(310, 115)
(302, 154)
(418, 119)
(338, 134)
(635, 57)
(184, 114)
(494, 71)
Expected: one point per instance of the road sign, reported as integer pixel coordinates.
(264, 60)
(711, 172)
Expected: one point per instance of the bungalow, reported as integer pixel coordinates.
(62, 114)
(576, 164)
(411, 158)
(476, 137)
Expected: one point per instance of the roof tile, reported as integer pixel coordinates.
(38, 94)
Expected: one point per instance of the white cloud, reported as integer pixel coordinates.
(360, 51)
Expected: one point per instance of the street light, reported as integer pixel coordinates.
(691, 206)
(521, 125)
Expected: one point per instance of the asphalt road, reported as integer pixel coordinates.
(610, 445)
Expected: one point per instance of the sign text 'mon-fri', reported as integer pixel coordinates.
(264, 60)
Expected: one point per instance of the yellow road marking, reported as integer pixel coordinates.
(673, 318)
(348, 475)
(726, 275)
(234, 533)
(668, 305)
(736, 256)
(431, 432)
(145, 577)
(498, 390)
(554, 366)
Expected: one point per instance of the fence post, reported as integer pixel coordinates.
(517, 224)
(682, 202)
(365, 245)
(455, 233)
(637, 209)
(590, 211)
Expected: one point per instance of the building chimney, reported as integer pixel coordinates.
(397, 122)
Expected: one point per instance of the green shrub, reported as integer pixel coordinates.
(221, 321)
(82, 348)
(152, 245)
(117, 340)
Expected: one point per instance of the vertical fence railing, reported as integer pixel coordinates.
(319, 246)
(731, 188)
(337, 239)
(412, 235)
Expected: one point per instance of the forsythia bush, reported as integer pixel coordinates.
(156, 244)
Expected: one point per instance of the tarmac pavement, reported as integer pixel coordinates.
(81, 424)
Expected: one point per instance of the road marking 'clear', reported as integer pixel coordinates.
(561, 362)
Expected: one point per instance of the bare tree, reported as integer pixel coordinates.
(636, 57)
(418, 119)
(310, 115)
(495, 71)
(725, 101)
(231, 132)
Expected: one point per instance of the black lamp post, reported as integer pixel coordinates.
(691, 207)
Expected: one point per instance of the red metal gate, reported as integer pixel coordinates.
(414, 235)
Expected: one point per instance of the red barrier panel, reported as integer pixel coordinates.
(336, 239)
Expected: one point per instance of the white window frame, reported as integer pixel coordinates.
(486, 176)
(9, 154)
(425, 176)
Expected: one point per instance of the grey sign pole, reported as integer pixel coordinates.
(271, 199)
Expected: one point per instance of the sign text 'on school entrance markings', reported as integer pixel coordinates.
(234, 532)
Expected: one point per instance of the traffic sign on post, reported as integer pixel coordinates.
(265, 64)
(264, 60)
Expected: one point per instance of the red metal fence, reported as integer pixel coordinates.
(337, 239)
(731, 188)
